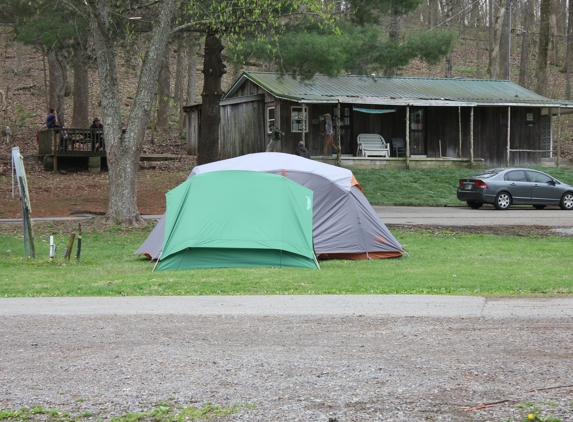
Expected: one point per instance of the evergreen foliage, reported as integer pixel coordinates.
(356, 43)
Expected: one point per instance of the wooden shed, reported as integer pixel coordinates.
(494, 122)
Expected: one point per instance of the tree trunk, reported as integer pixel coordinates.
(213, 71)
(433, 13)
(449, 8)
(192, 76)
(569, 51)
(543, 51)
(80, 112)
(123, 151)
(493, 66)
(394, 35)
(179, 72)
(524, 61)
(163, 95)
(57, 84)
(18, 60)
(553, 43)
(504, 43)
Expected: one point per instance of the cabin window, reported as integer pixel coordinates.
(270, 116)
(299, 119)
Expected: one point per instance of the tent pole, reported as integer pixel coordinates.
(316, 261)
(156, 262)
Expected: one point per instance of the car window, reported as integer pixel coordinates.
(515, 176)
(538, 177)
(486, 174)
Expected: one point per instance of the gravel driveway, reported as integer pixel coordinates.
(320, 358)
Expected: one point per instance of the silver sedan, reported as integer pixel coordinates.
(514, 186)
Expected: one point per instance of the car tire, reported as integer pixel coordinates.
(474, 205)
(566, 201)
(539, 207)
(502, 201)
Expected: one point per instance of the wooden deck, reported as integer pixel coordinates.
(78, 143)
(54, 144)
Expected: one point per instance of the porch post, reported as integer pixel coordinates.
(303, 124)
(408, 137)
(508, 134)
(557, 153)
(460, 136)
(471, 140)
(338, 155)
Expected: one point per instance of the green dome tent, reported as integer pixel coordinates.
(238, 219)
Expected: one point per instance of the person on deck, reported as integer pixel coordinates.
(97, 135)
(52, 123)
(328, 134)
(52, 120)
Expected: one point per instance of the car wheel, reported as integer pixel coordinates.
(502, 201)
(539, 207)
(474, 205)
(566, 201)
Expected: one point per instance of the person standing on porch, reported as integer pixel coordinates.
(275, 134)
(328, 134)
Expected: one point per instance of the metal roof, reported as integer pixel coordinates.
(374, 90)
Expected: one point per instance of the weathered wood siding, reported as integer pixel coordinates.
(242, 129)
(193, 118)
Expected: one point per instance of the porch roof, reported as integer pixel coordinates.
(375, 90)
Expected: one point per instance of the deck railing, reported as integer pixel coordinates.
(71, 141)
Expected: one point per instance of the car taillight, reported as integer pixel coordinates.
(480, 184)
(461, 182)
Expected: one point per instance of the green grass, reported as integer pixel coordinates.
(424, 187)
(162, 412)
(439, 262)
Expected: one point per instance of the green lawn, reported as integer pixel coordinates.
(424, 187)
(439, 262)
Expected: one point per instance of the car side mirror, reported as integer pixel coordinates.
(552, 182)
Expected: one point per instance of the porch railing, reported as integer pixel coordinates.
(71, 141)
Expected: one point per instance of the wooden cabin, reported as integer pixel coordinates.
(425, 121)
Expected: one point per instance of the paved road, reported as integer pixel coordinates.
(298, 305)
(439, 216)
(486, 216)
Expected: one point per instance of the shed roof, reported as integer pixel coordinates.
(375, 90)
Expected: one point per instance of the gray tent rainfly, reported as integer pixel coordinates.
(345, 226)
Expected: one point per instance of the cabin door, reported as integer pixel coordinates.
(417, 132)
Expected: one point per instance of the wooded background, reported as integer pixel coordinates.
(527, 42)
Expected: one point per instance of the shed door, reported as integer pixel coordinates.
(417, 132)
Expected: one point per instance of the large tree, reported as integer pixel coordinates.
(124, 149)
(233, 21)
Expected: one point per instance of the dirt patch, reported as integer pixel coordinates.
(76, 191)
